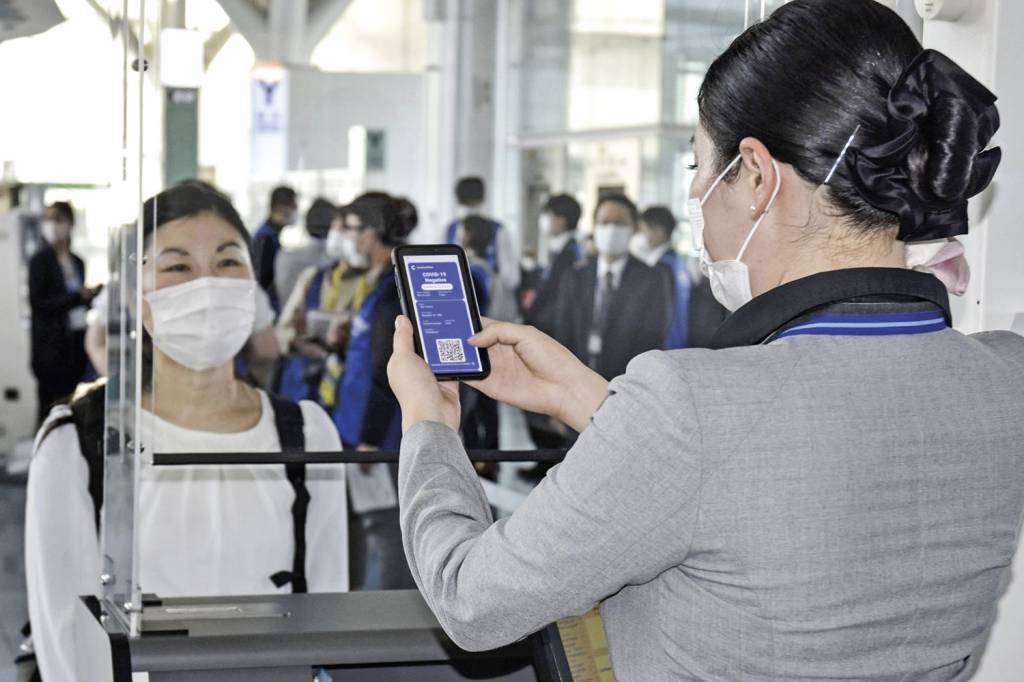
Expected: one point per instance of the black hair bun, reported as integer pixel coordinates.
(932, 155)
(385, 215)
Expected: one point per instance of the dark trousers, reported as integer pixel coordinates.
(479, 420)
(376, 555)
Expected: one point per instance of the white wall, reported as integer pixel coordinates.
(987, 43)
(17, 417)
(324, 106)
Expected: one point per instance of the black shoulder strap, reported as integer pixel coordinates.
(88, 413)
(288, 418)
(87, 416)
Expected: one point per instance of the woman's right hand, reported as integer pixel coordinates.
(532, 371)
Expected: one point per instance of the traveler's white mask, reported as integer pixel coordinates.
(204, 323)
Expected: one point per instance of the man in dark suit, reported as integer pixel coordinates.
(266, 242)
(59, 300)
(616, 307)
(558, 221)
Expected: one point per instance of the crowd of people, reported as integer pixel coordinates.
(254, 343)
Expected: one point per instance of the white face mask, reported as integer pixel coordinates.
(640, 246)
(612, 240)
(53, 231)
(342, 246)
(545, 224)
(334, 246)
(204, 323)
(729, 279)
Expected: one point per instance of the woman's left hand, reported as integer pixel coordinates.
(421, 396)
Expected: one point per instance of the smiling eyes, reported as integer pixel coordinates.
(223, 263)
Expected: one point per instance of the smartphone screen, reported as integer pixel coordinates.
(442, 314)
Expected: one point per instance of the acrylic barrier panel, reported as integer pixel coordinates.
(133, 25)
(121, 443)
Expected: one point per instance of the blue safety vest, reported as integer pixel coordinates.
(293, 384)
(482, 283)
(356, 382)
(678, 326)
(492, 248)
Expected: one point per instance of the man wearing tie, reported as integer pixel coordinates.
(615, 306)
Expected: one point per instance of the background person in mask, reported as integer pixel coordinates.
(614, 307)
(315, 323)
(836, 492)
(657, 224)
(292, 261)
(365, 411)
(203, 530)
(266, 242)
(558, 222)
(470, 193)
(59, 300)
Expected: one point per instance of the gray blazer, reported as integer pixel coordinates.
(817, 508)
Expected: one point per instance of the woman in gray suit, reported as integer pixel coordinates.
(835, 490)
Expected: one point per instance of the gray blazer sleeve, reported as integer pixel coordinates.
(619, 510)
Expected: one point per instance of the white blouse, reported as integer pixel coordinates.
(203, 530)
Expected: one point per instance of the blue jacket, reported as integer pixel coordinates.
(266, 242)
(492, 248)
(367, 411)
(678, 326)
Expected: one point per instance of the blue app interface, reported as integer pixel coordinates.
(442, 314)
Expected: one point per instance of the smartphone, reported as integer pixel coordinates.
(438, 296)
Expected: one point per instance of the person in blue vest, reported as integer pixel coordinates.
(470, 193)
(322, 295)
(657, 224)
(366, 412)
(266, 242)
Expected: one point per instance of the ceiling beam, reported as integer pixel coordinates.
(322, 18)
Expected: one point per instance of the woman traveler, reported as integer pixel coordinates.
(203, 530)
(833, 493)
(59, 300)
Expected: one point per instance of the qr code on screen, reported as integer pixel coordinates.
(450, 350)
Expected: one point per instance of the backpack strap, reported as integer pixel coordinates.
(87, 416)
(289, 422)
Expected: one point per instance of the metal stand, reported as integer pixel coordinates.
(357, 637)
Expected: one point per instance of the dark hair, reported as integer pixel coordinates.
(409, 214)
(319, 217)
(282, 196)
(477, 233)
(660, 217)
(470, 191)
(817, 72)
(566, 208)
(187, 199)
(621, 200)
(381, 212)
(64, 210)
